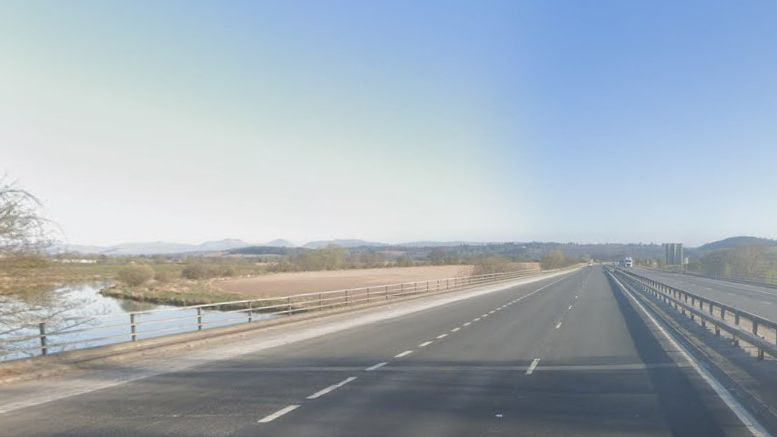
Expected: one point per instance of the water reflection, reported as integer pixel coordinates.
(69, 311)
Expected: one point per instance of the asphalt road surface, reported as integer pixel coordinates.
(756, 299)
(562, 356)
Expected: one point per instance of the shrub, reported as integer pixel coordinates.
(164, 276)
(196, 271)
(136, 275)
(228, 272)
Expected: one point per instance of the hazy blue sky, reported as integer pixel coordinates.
(595, 121)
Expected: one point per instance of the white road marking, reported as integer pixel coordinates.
(278, 413)
(331, 388)
(455, 329)
(100, 380)
(533, 365)
(375, 367)
(570, 307)
(575, 297)
(476, 319)
(403, 354)
(747, 419)
(484, 315)
(424, 344)
(467, 324)
(442, 336)
(559, 325)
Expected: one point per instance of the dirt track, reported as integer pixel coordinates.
(284, 284)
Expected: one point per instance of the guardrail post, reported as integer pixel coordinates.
(199, 319)
(288, 303)
(401, 289)
(133, 335)
(368, 294)
(44, 350)
(447, 284)
(386, 292)
(320, 302)
(346, 297)
(250, 312)
(427, 286)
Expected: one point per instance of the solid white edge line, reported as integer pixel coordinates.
(278, 414)
(424, 344)
(532, 366)
(375, 367)
(403, 354)
(747, 419)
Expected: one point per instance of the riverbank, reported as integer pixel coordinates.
(178, 295)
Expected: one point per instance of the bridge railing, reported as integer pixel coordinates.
(757, 331)
(41, 338)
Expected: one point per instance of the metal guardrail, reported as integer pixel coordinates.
(192, 318)
(752, 329)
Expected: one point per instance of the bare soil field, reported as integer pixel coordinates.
(284, 284)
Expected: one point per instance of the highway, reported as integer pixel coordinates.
(756, 299)
(561, 356)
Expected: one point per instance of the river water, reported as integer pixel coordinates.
(78, 317)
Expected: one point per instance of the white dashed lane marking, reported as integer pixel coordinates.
(375, 367)
(331, 388)
(532, 366)
(403, 354)
(278, 414)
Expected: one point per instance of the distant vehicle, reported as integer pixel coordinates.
(627, 262)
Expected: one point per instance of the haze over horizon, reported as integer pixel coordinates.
(393, 122)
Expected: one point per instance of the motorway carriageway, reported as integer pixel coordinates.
(755, 299)
(562, 356)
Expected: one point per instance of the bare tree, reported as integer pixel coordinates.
(22, 228)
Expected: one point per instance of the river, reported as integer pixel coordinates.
(78, 316)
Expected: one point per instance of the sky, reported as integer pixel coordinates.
(587, 121)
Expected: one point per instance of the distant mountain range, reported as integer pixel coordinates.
(153, 248)
(531, 248)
